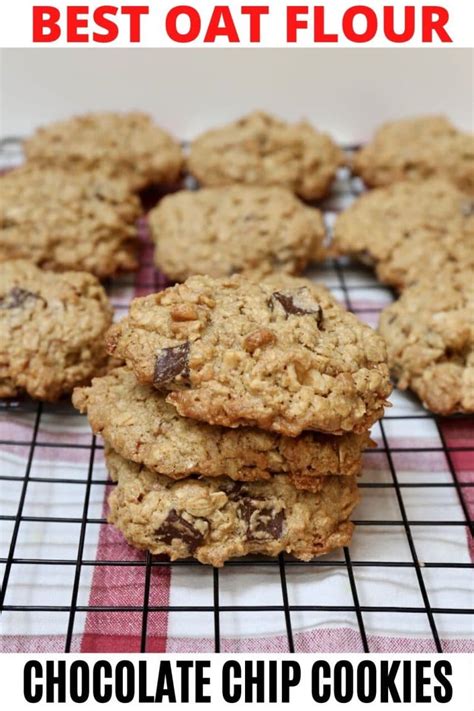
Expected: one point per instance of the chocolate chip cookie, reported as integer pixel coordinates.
(138, 423)
(237, 229)
(217, 519)
(280, 354)
(262, 150)
(416, 149)
(51, 330)
(408, 230)
(125, 145)
(430, 339)
(62, 220)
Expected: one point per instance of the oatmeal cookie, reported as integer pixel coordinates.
(62, 220)
(237, 229)
(262, 150)
(138, 423)
(125, 145)
(52, 330)
(429, 333)
(216, 519)
(282, 355)
(408, 230)
(416, 149)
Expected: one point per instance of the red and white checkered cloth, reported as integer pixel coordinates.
(44, 568)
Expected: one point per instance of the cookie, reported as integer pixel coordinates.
(138, 423)
(417, 149)
(408, 230)
(62, 220)
(51, 330)
(262, 150)
(280, 354)
(124, 145)
(430, 339)
(216, 519)
(237, 229)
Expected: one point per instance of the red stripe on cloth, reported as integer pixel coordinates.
(115, 586)
(148, 280)
(40, 644)
(338, 640)
(458, 433)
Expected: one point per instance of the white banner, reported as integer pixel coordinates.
(185, 681)
(247, 23)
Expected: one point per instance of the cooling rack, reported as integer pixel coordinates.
(70, 582)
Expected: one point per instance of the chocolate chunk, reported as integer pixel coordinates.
(298, 303)
(171, 362)
(232, 489)
(263, 523)
(17, 297)
(176, 527)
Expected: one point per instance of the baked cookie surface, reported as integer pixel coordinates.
(429, 333)
(280, 354)
(259, 149)
(217, 519)
(52, 330)
(122, 145)
(138, 423)
(408, 230)
(417, 149)
(64, 221)
(237, 229)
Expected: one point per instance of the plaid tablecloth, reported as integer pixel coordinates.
(405, 584)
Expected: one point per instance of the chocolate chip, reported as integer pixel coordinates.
(232, 489)
(17, 297)
(176, 527)
(171, 362)
(298, 303)
(263, 522)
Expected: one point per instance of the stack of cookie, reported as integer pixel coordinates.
(238, 423)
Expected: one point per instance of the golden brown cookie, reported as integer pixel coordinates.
(51, 330)
(122, 145)
(280, 354)
(417, 149)
(138, 423)
(237, 229)
(408, 230)
(429, 333)
(259, 149)
(216, 519)
(62, 220)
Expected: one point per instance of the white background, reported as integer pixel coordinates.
(345, 91)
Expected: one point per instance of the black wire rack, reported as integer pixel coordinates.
(348, 280)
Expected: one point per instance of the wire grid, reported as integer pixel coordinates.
(282, 566)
